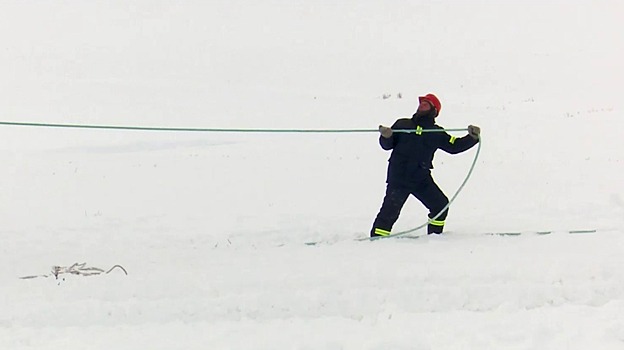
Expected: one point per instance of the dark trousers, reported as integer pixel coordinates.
(427, 192)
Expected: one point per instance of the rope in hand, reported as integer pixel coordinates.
(177, 129)
(228, 130)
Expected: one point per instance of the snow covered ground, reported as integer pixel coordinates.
(212, 227)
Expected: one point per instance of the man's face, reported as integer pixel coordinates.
(424, 106)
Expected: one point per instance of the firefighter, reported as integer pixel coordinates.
(410, 164)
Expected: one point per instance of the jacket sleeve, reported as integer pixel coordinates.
(386, 143)
(454, 145)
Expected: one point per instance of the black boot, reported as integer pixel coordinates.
(435, 229)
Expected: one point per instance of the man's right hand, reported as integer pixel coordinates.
(385, 131)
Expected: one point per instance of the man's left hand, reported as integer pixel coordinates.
(474, 131)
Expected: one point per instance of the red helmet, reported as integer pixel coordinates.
(433, 100)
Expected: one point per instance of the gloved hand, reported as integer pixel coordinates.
(474, 131)
(385, 131)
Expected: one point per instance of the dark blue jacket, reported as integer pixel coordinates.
(411, 160)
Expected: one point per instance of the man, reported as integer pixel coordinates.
(410, 164)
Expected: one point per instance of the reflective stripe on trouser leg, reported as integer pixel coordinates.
(436, 222)
(435, 226)
(381, 232)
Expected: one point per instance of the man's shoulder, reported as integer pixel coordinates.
(404, 123)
